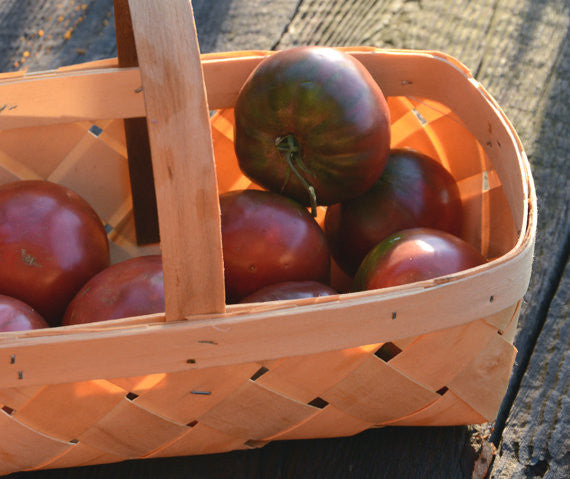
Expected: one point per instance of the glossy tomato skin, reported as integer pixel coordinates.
(335, 111)
(133, 287)
(290, 290)
(16, 315)
(51, 243)
(414, 191)
(414, 255)
(268, 238)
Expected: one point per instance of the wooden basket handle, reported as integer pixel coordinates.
(182, 156)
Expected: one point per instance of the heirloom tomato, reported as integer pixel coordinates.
(130, 288)
(312, 123)
(51, 243)
(414, 255)
(16, 315)
(268, 238)
(290, 290)
(413, 191)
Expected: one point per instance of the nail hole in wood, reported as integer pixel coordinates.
(491, 299)
(208, 341)
(192, 423)
(260, 372)
(20, 374)
(12, 359)
(318, 402)
(394, 315)
(387, 351)
(74, 441)
(132, 396)
(191, 361)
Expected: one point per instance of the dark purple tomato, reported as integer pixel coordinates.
(414, 255)
(414, 191)
(290, 290)
(268, 238)
(51, 243)
(133, 287)
(312, 117)
(16, 315)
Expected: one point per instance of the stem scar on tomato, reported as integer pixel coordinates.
(289, 145)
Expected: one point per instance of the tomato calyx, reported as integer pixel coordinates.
(288, 145)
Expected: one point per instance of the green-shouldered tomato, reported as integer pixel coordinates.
(415, 255)
(414, 191)
(312, 118)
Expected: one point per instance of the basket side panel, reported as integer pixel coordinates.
(68, 410)
(375, 392)
(185, 396)
(201, 439)
(23, 448)
(435, 358)
(132, 432)
(450, 410)
(482, 384)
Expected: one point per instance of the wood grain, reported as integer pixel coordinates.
(175, 97)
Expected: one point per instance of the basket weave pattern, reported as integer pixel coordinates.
(246, 405)
(333, 366)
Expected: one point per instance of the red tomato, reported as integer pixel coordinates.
(290, 290)
(268, 238)
(51, 243)
(414, 255)
(130, 288)
(414, 191)
(312, 117)
(16, 315)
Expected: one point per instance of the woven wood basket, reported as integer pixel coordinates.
(205, 377)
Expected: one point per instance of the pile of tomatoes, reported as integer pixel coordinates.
(312, 128)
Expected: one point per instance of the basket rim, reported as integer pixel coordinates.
(520, 255)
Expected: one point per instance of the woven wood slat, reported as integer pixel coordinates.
(329, 422)
(394, 397)
(131, 431)
(482, 383)
(59, 410)
(80, 454)
(201, 439)
(449, 405)
(295, 377)
(24, 448)
(184, 397)
(17, 397)
(435, 358)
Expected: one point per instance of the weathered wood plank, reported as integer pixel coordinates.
(535, 440)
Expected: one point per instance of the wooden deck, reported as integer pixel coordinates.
(520, 51)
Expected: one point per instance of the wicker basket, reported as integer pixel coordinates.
(205, 377)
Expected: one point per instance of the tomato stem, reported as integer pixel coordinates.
(290, 147)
